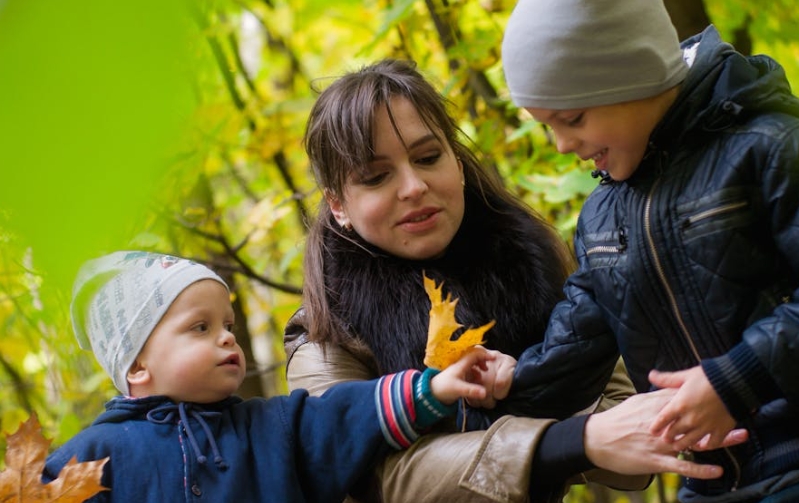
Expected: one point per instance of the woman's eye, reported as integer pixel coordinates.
(373, 180)
(429, 159)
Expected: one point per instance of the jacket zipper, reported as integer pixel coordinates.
(715, 211)
(611, 248)
(672, 300)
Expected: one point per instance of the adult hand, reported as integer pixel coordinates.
(695, 414)
(619, 440)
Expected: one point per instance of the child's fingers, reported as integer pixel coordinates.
(663, 420)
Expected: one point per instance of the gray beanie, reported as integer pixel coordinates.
(118, 299)
(571, 54)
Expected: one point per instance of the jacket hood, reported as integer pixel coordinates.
(723, 87)
(121, 408)
(162, 410)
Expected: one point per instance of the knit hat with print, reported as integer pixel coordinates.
(571, 54)
(118, 299)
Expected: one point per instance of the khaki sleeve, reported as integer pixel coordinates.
(619, 388)
(471, 467)
(316, 370)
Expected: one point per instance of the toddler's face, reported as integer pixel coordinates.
(192, 354)
(614, 136)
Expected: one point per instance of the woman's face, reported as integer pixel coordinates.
(410, 202)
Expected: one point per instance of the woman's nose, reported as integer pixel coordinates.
(412, 185)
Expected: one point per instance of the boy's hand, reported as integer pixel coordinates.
(496, 377)
(695, 416)
(458, 380)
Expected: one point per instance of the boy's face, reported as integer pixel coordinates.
(192, 355)
(614, 136)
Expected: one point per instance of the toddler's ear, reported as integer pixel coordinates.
(138, 374)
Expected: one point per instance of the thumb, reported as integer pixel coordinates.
(666, 379)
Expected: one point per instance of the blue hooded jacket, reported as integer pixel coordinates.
(284, 449)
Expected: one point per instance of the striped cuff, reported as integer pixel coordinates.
(429, 410)
(394, 397)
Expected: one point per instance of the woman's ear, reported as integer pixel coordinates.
(337, 208)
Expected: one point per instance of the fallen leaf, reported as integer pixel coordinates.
(21, 481)
(441, 350)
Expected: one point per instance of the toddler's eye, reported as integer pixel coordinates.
(201, 327)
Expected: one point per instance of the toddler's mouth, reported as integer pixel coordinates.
(231, 360)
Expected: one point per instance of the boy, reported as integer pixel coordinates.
(161, 327)
(687, 250)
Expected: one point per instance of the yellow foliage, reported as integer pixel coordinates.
(441, 350)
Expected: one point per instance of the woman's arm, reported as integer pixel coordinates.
(479, 466)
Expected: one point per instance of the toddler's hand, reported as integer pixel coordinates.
(459, 381)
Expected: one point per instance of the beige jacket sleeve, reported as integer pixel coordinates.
(478, 466)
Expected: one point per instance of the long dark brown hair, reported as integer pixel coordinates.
(339, 141)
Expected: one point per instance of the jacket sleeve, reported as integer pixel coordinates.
(575, 360)
(762, 367)
(471, 467)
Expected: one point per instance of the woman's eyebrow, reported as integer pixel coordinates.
(419, 141)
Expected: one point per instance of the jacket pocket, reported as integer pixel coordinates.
(716, 213)
(606, 249)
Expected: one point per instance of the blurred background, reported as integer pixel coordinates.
(177, 126)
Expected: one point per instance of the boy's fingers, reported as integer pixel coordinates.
(662, 421)
(735, 437)
(666, 379)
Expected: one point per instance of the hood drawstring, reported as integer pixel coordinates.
(165, 414)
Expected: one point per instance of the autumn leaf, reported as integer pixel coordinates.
(21, 481)
(441, 350)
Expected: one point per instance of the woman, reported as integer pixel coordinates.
(404, 196)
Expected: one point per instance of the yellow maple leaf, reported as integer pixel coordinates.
(21, 481)
(441, 350)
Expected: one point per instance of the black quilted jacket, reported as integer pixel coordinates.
(694, 260)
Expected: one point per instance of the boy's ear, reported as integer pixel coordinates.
(138, 374)
(337, 208)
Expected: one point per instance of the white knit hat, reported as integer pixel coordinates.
(571, 54)
(118, 299)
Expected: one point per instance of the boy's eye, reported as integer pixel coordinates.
(574, 121)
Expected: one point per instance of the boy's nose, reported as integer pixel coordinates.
(565, 144)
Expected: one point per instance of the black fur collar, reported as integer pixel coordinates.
(497, 266)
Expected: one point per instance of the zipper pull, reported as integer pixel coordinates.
(622, 239)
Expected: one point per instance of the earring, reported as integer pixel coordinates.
(463, 182)
(347, 227)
